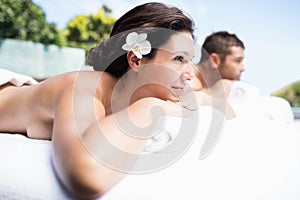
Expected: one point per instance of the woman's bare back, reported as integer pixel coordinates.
(23, 110)
(30, 109)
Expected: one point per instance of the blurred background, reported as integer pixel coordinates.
(43, 38)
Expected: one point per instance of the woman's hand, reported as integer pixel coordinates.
(194, 99)
(159, 107)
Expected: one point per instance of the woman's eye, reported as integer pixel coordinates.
(179, 58)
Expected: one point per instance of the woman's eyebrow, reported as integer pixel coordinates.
(185, 53)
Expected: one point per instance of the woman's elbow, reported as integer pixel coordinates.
(85, 190)
(84, 185)
(88, 179)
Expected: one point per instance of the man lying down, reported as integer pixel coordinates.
(220, 68)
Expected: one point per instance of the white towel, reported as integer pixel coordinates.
(247, 101)
(241, 91)
(14, 78)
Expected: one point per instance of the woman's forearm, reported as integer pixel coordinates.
(111, 145)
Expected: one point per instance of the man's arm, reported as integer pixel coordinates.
(216, 96)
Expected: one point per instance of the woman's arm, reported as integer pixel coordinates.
(80, 130)
(200, 98)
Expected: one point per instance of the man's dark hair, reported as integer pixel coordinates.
(220, 43)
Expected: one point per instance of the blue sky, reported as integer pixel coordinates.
(269, 29)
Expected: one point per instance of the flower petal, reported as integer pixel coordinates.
(138, 44)
(145, 47)
(132, 38)
(127, 47)
(141, 37)
(138, 54)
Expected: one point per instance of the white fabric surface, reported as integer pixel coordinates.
(247, 101)
(258, 160)
(26, 171)
(16, 79)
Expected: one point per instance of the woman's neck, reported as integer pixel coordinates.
(125, 92)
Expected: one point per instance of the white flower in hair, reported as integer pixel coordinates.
(138, 44)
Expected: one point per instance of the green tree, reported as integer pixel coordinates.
(24, 20)
(87, 31)
(291, 93)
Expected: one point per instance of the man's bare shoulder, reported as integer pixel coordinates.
(220, 89)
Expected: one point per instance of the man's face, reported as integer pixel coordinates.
(233, 66)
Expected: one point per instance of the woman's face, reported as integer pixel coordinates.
(168, 74)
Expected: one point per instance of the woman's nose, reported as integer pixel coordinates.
(188, 73)
(186, 76)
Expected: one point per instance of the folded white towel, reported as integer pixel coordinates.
(241, 91)
(246, 100)
(14, 78)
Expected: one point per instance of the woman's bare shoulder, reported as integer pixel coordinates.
(79, 79)
(78, 84)
(63, 87)
(74, 76)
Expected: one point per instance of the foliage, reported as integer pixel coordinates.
(87, 31)
(22, 19)
(291, 93)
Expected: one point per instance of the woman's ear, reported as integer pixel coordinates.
(133, 61)
(215, 60)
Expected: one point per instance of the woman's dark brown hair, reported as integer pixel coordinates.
(151, 18)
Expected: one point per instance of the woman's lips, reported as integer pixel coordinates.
(178, 90)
